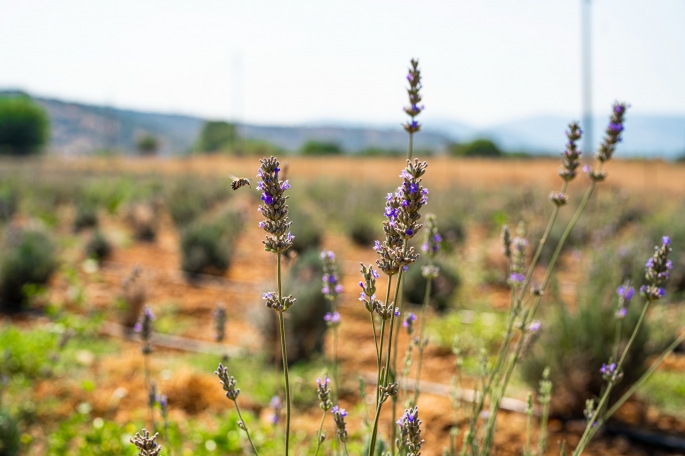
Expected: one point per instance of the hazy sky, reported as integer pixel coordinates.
(292, 61)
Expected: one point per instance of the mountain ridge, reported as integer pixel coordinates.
(81, 128)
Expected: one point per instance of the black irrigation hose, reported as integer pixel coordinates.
(650, 439)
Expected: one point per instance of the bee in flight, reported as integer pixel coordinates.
(239, 182)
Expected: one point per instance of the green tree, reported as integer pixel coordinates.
(476, 148)
(320, 148)
(216, 135)
(147, 144)
(24, 126)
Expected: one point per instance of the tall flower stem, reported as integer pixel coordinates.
(410, 147)
(148, 385)
(284, 356)
(422, 331)
(318, 434)
(386, 371)
(380, 345)
(336, 388)
(240, 416)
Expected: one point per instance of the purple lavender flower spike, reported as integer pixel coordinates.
(277, 226)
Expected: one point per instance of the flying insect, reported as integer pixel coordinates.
(239, 182)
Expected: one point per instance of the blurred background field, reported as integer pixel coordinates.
(85, 225)
(123, 125)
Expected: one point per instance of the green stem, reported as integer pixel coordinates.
(336, 388)
(383, 381)
(422, 332)
(318, 434)
(560, 244)
(240, 416)
(375, 337)
(542, 442)
(284, 356)
(526, 451)
(617, 338)
(387, 358)
(148, 385)
(605, 397)
(515, 306)
(380, 345)
(410, 147)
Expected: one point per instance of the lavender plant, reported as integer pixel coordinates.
(656, 273)
(324, 393)
(402, 212)
(523, 312)
(331, 290)
(278, 240)
(144, 328)
(411, 127)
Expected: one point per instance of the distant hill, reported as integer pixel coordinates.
(644, 136)
(79, 129)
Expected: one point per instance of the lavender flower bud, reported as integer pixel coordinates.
(339, 416)
(277, 406)
(414, 109)
(613, 132)
(219, 322)
(559, 199)
(516, 276)
(278, 238)
(570, 158)
(332, 319)
(324, 393)
(408, 323)
(610, 372)
(388, 391)
(595, 175)
(506, 241)
(144, 328)
(331, 282)
(163, 405)
(146, 444)
(625, 292)
(430, 271)
(432, 239)
(410, 432)
(273, 303)
(227, 382)
(152, 394)
(656, 271)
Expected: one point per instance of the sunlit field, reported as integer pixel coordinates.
(115, 235)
